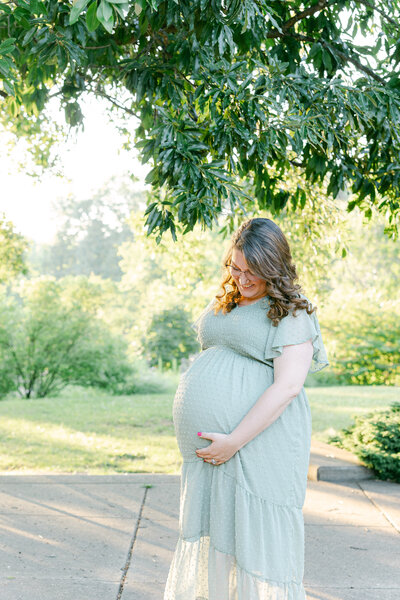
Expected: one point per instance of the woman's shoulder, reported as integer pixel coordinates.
(304, 297)
(303, 313)
(211, 303)
(310, 302)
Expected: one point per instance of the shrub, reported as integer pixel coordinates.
(147, 380)
(375, 439)
(46, 344)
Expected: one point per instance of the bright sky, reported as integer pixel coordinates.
(87, 165)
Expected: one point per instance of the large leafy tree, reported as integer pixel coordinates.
(231, 96)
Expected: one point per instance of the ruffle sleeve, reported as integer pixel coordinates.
(296, 330)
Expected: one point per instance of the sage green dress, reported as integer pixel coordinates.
(241, 529)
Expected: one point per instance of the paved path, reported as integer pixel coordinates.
(77, 537)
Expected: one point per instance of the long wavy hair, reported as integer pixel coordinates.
(268, 256)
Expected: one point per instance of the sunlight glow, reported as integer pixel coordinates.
(87, 165)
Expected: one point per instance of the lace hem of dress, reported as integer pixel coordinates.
(199, 571)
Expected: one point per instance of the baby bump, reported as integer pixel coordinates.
(214, 394)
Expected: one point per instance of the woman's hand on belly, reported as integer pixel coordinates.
(221, 449)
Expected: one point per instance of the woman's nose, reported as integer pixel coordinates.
(245, 278)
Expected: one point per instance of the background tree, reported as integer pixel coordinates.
(92, 230)
(372, 266)
(167, 276)
(48, 341)
(224, 92)
(170, 337)
(13, 248)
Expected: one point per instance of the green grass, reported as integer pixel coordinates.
(87, 431)
(332, 408)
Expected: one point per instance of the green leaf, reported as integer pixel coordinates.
(151, 175)
(221, 42)
(104, 12)
(229, 37)
(28, 37)
(62, 58)
(92, 21)
(7, 46)
(327, 59)
(315, 49)
(5, 9)
(106, 16)
(122, 9)
(8, 86)
(78, 7)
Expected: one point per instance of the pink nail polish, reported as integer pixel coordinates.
(199, 433)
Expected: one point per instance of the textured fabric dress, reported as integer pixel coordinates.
(241, 529)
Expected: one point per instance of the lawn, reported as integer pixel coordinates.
(85, 430)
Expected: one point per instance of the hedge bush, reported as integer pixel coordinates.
(375, 439)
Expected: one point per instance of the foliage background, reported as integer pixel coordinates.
(348, 268)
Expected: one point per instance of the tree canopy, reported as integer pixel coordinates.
(232, 96)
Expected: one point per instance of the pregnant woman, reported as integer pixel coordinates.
(243, 427)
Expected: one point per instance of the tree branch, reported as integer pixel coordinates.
(55, 94)
(357, 64)
(323, 4)
(305, 13)
(342, 55)
(379, 10)
(95, 47)
(295, 163)
(176, 70)
(115, 103)
(317, 8)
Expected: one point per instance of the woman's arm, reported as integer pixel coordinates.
(290, 371)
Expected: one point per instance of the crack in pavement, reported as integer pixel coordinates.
(130, 551)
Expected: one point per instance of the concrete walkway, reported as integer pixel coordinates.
(82, 537)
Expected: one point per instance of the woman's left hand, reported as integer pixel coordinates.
(221, 449)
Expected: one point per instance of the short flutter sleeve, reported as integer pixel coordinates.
(296, 330)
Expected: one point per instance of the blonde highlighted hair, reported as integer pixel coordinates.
(268, 256)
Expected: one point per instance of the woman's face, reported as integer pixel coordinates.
(250, 286)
